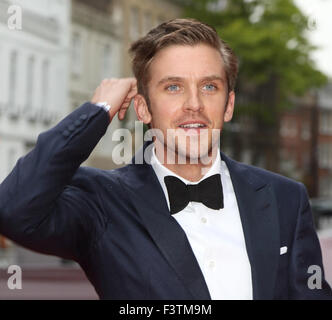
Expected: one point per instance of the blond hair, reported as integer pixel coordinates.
(179, 32)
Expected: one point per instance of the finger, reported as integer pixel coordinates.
(130, 97)
(121, 114)
(120, 117)
(123, 110)
(133, 86)
(132, 92)
(124, 107)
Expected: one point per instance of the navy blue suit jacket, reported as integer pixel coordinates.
(117, 226)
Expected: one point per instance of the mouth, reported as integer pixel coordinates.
(196, 126)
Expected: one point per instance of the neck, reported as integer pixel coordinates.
(189, 171)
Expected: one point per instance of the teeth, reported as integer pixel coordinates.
(192, 125)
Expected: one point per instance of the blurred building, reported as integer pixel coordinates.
(140, 16)
(33, 78)
(303, 143)
(53, 64)
(306, 142)
(96, 53)
(102, 31)
(297, 148)
(325, 142)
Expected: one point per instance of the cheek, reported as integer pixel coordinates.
(160, 116)
(216, 113)
(165, 110)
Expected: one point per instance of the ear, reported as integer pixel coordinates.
(230, 107)
(142, 110)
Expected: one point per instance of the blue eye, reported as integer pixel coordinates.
(172, 87)
(210, 87)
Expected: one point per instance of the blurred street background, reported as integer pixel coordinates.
(64, 48)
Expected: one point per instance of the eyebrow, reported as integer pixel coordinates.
(180, 79)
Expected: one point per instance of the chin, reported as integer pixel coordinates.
(193, 155)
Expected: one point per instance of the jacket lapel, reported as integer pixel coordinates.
(148, 198)
(259, 215)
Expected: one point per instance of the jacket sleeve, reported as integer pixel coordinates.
(39, 209)
(306, 267)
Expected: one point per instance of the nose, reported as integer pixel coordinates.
(193, 101)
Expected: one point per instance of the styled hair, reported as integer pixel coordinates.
(178, 32)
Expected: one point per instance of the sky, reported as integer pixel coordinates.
(320, 12)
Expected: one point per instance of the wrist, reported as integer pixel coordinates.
(105, 105)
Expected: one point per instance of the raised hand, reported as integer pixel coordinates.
(117, 93)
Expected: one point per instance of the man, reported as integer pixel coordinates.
(188, 223)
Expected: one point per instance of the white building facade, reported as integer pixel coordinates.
(96, 54)
(33, 76)
(34, 86)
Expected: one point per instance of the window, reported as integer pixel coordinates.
(329, 124)
(2, 80)
(11, 159)
(30, 82)
(45, 81)
(283, 127)
(325, 122)
(76, 54)
(12, 77)
(101, 5)
(147, 22)
(134, 24)
(246, 156)
(117, 16)
(288, 127)
(325, 155)
(305, 134)
(325, 186)
(106, 61)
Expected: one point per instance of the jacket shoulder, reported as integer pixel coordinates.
(256, 175)
(271, 176)
(89, 176)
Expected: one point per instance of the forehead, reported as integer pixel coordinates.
(186, 61)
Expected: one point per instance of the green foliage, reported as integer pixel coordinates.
(269, 38)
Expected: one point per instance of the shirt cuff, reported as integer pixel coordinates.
(103, 105)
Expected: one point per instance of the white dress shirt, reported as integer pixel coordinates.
(216, 236)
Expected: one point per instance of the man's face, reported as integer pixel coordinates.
(188, 99)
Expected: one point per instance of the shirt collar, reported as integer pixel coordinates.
(161, 171)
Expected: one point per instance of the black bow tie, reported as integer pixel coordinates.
(208, 191)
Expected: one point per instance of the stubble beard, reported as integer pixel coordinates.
(183, 149)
